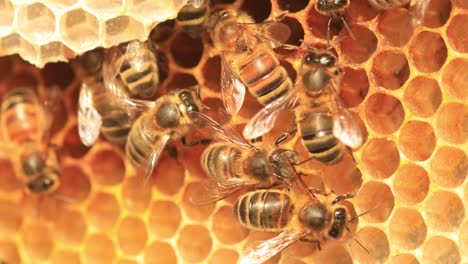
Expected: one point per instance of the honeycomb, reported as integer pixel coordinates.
(407, 86)
(57, 30)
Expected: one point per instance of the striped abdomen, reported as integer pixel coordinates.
(262, 74)
(264, 210)
(139, 71)
(192, 19)
(316, 130)
(387, 4)
(22, 117)
(220, 160)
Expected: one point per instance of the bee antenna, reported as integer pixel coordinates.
(357, 241)
(364, 213)
(346, 25)
(66, 199)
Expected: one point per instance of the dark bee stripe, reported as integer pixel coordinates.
(138, 75)
(190, 13)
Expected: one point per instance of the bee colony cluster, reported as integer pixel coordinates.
(188, 185)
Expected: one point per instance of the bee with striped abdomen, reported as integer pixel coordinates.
(324, 123)
(25, 126)
(192, 17)
(247, 58)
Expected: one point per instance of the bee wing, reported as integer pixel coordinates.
(89, 120)
(345, 126)
(273, 33)
(196, 3)
(110, 68)
(216, 191)
(214, 129)
(232, 89)
(150, 162)
(418, 10)
(265, 119)
(265, 250)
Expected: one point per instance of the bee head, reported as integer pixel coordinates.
(191, 100)
(316, 217)
(224, 29)
(339, 223)
(46, 183)
(325, 59)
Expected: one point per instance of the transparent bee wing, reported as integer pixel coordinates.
(89, 120)
(265, 119)
(49, 103)
(265, 250)
(232, 89)
(110, 69)
(196, 3)
(210, 127)
(150, 163)
(215, 191)
(345, 126)
(418, 9)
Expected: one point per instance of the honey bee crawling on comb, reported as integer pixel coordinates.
(234, 164)
(192, 17)
(26, 129)
(334, 9)
(297, 217)
(324, 123)
(247, 57)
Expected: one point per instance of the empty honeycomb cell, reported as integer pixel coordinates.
(168, 176)
(36, 23)
(37, 241)
(411, 183)
(107, 166)
(132, 235)
(463, 238)
(11, 43)
(380, 158)
(297, 32)
(195, 211)
(377, 198)
(186, 51)
(74, 184)
(395, 26)
(181, 80)
(99, 248)
(407, 228)
(52, 52)
(428, 51)
(70, 226)
(332, 252)
(449, 167)
(390, 70)
(103, 211)
(8, 181)
(72, 145)
(455, 78)
(461, 4)
(317, 24)
(376, 243)
(11, 219)
(226, 228)
(444, 211)
(162, 31)
(160, 252)
(437, 13)
(9, 252)
(71, 257)
(452, 123)
(423, 96)
(136, 194)
(164, 218)
(6, 67)
(440, 250)
(225, 256)
(121, 29)
(106, 8)
(126, 261)
(403, 259)
(211, 71)
(59, 74)
(6, 17)
(343, 177)
(80, 30)
(44, 208)
(417, 140)
(259, 10)
(194, 249)
(354, 86)
(359, 50)
(384, 113)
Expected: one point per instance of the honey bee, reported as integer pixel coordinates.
(99, 108)
(295, 216)
(192, 17)
(169, 117)
(234, 164)
(25, 127)
(418, 8)
(334, 9)
(325, 124)
(247, 58)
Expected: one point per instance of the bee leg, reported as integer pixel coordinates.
(284, 136)
(348, 28)
(304, 161)
(194, 143)
(328, 31)
(344, 197)
(172, 151)
(255, 140)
